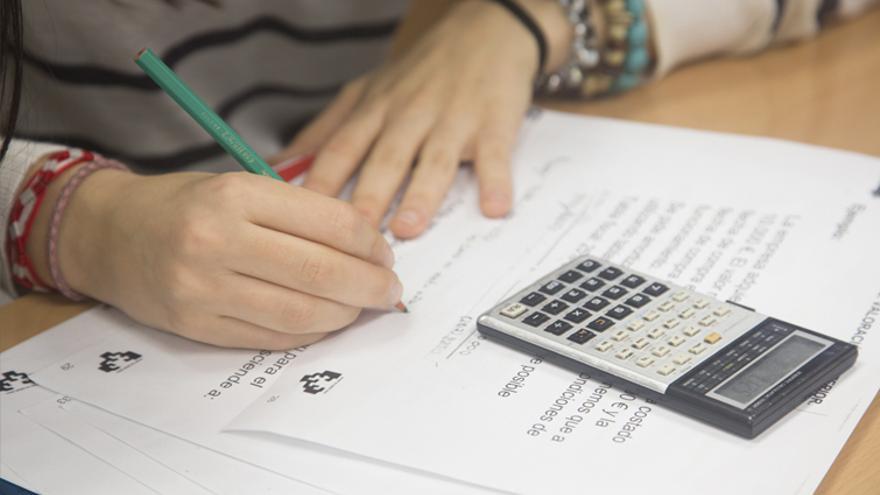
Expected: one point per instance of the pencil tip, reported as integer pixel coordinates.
(401, 307)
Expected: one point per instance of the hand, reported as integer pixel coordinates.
(460, 93)
(235, 260)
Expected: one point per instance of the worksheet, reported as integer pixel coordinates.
(423, 391)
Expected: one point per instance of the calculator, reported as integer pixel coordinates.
(718, 362)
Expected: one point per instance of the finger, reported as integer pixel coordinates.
(492, 165)
(281, 309)
(316, 133)
(344, 150)
(312, 268)
(224, 331)
(310, 215)
(388, 165)
(433, 176)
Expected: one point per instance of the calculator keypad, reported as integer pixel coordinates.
(650, 328)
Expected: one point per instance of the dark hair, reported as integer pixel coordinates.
(11, 57)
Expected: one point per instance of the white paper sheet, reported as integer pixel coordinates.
(737, 217)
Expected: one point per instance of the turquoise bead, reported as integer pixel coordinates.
(635, 7)
(625, 82)
(638, 33)
(636, 59)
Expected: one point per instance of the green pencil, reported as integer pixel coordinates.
(166, 79)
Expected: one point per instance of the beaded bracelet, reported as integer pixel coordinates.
(584, 51)
(98, 163)
(24, 211)
(625, 54)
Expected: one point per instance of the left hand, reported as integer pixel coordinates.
(459, 93)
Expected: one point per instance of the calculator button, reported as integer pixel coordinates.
(656, 333)
(624, 353)
(691, 331)
(619, 336)
(672, 323)
(645, 361)
(635, 325)
(581, 336)
(552, 287)
(700, 347)
(588, 266)
(681, 359)
(533, 299)
(558, 327)
(721, 311)
(574, 295)
(592, 284)
(600, 324)
(638, 300)
(666, 370)
(712, 338)
(554, 307)
(610, 273)
(619, 312)
(653, 315)
(614, 292)
(515, 310)
(709, 320)
(701, 303)
(570, 276)
(596, 303)
(687, 313)
(680, 296)
(604, 346)
(676, 340)
(641, 343)
(536, 319)
(655, 289)
(660, 351)
(666, 306)
(577, 315)
(632, 281)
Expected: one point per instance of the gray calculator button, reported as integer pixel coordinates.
(552, 287)
(554, 307)
(638, 300)
(558, 327)
(536, 319)
(574, 295)
(600, 324)
(610, 273)
(619, 312)
(655, 289)
(589, 266)
(581, 336)
(632, 281)
(577, 315)
(533, 299)
(596, 303)
(592, 284)
(570, 276)
(614, 292)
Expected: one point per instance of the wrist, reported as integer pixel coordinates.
(558, 32)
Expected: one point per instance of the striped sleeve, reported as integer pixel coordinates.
(685, 31)
(16, 164)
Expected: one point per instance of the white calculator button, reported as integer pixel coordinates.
(653, 315)
(660, 351)
(666, 306)
(515, 310)
(680, 296)
(620, 335)
(709, 320)
(701, 303)
(672, 323)
(681, 359)
(712, 338)
(676, 340)
(700, 347)
(604, 346)
(691, 331)
(624, 353)
(636, 325)
(641, 343)
(687, 313)
(645, 361)
(666, 370)
(721, 311)
(656, 333)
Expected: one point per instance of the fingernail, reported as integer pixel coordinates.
(395, 294)
(387, 256)
(410, 218)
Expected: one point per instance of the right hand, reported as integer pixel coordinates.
(236, 260)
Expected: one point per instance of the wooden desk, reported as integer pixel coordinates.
(825, 92)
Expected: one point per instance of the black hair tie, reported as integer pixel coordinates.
(529, 22)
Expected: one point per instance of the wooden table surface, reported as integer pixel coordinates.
(822, 92)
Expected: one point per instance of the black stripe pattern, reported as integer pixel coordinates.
(86, 74)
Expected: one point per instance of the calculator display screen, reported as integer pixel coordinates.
(752, 382)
